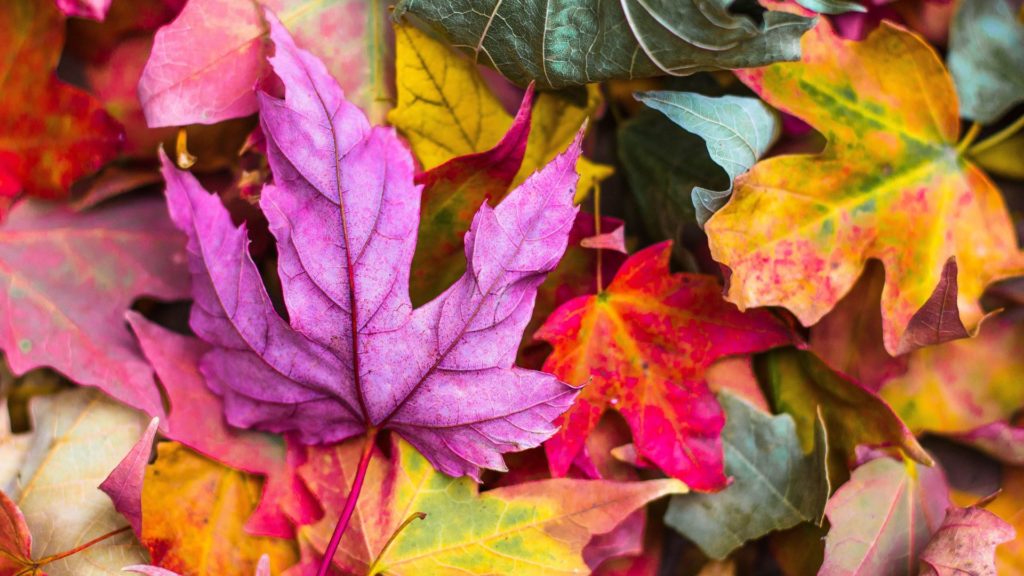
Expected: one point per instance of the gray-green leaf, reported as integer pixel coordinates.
(559, 43)
(737, 131)
(832, 6)
(986, 58)
(775, 485)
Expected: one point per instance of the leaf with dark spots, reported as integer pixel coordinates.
(966, 543)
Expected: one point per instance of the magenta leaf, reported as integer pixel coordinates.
(124, 483)
(66, 281)
(354, 355)
(196, 419)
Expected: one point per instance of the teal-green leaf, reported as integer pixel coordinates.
(737, 131)
(559, 43)
(775, 485)
(986, 58)
(832, 6)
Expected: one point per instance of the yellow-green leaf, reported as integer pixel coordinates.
(958, 386)
(445, 109)
(532, 529)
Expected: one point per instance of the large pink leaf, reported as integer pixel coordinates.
(66, 280)
(355, 356)
(196, 420)
(205, 65)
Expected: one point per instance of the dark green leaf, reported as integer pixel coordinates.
(560, 43)
(737, 132)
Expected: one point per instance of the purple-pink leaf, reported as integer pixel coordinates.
(966, 544)
(124, 483)
(1000, 440)
(205, 65)
(196, 420)
(356, 356)
(66, 280)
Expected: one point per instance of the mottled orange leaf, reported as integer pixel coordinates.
(51, 133)
(890, 185)
(641, 347)
(193, 510)
(535, 528)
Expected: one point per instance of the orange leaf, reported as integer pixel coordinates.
(193, 511)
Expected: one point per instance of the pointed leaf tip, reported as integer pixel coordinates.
(124, 483)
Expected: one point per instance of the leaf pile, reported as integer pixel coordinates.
(511, 287)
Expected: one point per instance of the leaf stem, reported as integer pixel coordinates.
(972, 133)
(394, 535)
(597, 232)
(81, 547)
(350, 502)
(998, 138)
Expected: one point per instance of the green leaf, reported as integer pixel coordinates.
(775, 485)
(560, 43)
(986, 58)
(831, 6)
(663, 165)
(737, 131)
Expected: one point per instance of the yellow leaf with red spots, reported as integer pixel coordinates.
(193, 510)
(890, 184)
